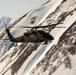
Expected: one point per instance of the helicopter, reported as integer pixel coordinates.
(34, 35)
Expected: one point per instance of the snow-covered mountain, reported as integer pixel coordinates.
(61, 57)
(55, 58)
(5, 20)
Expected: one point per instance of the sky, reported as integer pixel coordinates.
(17, 8)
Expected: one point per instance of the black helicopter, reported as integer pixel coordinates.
(34, 35)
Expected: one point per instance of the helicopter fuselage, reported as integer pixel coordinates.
(37, 36)
(31, 36)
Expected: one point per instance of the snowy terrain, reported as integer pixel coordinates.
(55, 58)
(5, 20)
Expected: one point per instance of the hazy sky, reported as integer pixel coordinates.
(17, 8)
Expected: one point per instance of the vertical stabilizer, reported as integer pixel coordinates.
(9, 35)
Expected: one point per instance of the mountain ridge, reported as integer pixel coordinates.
(5, 20)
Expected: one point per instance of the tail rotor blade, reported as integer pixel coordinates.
(5, 39)
(60, 27)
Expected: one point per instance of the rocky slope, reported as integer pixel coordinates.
(60, 56)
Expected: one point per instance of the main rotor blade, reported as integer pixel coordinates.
(32, 27)
(39, 26)
(59, 27)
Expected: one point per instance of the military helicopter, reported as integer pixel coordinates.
(34, 35)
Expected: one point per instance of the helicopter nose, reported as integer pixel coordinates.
(51, 37)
